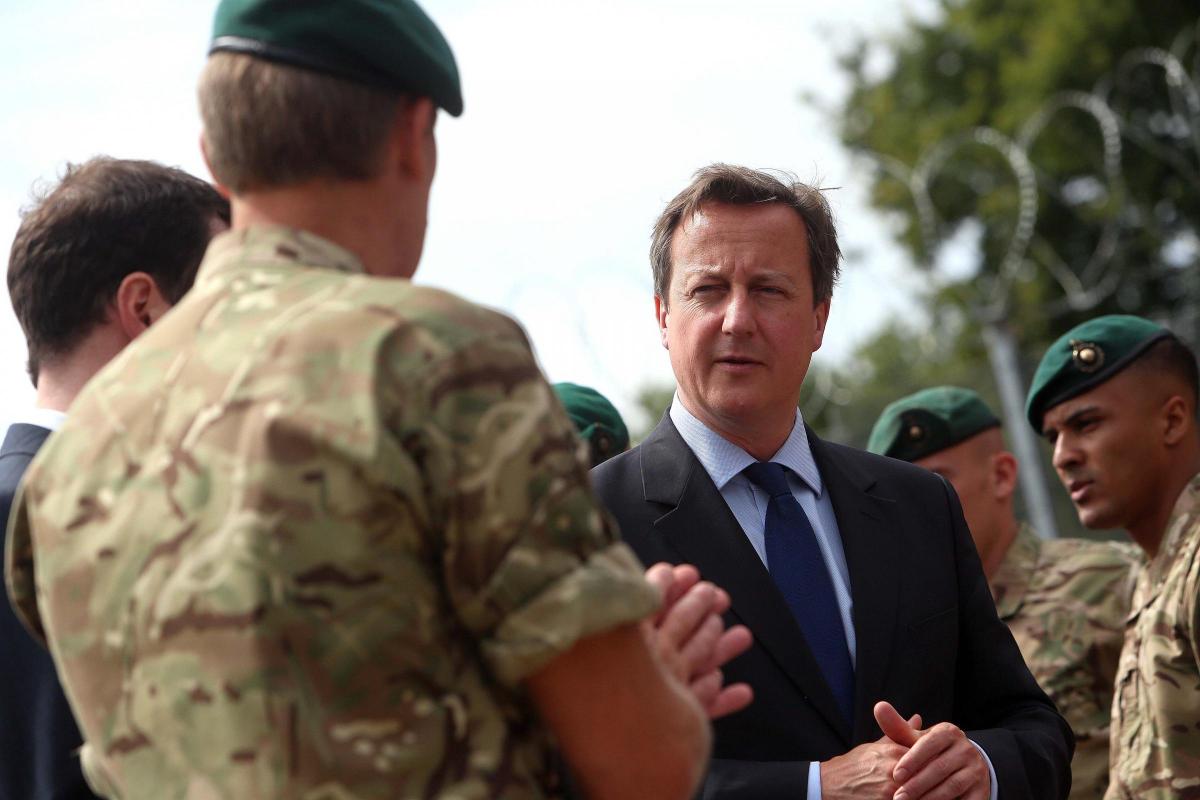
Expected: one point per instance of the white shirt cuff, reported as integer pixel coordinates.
(814, 776)
(991, 771)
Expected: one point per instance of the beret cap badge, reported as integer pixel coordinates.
(1087, 356)
(916, 432)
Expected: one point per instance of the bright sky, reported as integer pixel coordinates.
(582, 120)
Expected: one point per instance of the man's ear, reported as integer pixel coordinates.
(1177, 419)
(820, 318)
(412, 150)
(1004, 475)
(660, 314)
(139, 304)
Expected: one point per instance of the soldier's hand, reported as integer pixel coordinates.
(691, 639)
(941, 763)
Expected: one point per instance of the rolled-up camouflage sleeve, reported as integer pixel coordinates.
(530, 562)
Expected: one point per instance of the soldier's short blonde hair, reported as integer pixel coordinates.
(269, 125)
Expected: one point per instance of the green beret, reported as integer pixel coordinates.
(596, 420)
(391, 44)
(930, 420)
(1086, 356)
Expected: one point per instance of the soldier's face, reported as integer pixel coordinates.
(1106, 452)
(740, 323)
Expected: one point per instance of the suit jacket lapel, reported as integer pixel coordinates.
(872, 551)
(698, 524)
(23, 439)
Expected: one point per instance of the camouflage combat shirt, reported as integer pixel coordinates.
(1065, 601)
(307, 535)
(1156, 710)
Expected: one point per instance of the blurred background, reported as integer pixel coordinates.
(999, 169)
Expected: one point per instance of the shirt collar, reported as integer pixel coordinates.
(723, 460)
(46, 418)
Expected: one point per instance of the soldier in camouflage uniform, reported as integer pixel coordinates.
(325, 534)
(1064, 600)
(1117, 397)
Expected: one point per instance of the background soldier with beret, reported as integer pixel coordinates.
(597, 420)
(1065, 600)
(1116, 397)
(334, 538)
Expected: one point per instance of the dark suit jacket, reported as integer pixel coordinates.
(39, 741)
(928, 639)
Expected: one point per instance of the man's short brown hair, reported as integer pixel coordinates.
(1170, 356)
(105, 219)
(269, 125)
(723, 183)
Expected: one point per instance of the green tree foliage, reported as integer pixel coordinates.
(941, 112)
(997, 64)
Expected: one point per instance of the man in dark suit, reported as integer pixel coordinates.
(98, 259)
(856, 574)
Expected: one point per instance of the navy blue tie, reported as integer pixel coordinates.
(795, 563)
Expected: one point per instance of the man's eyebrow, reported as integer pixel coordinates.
(774, 275)
(1071, 419)
(703, 269)
(1075, 415)
(718, 269)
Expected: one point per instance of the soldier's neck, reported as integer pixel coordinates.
(1149, 531)
(382, 227)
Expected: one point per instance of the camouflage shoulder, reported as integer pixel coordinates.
(1189, 565)
(440, 319)
(1091, 553)
(1097, 573)
(458, 320)
(19, 563)
(1189, 499)
(450, 365)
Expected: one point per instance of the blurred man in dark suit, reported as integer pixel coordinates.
(96, 261)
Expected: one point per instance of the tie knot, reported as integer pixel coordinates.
(769, 476)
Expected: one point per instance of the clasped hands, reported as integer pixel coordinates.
(691, 639)
(908, 763)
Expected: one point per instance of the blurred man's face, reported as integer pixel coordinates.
(1107, 451)
(740, 323)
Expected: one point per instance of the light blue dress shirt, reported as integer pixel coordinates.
(724, 462)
